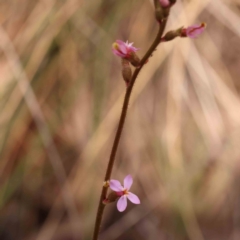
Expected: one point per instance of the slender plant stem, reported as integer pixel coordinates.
(101, 206)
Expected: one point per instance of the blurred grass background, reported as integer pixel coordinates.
(61, 95)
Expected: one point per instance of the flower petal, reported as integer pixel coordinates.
(115, 185)
(133, 198)
(122, 203)
(123, 48)
(128, 182)
(195, 30)
(117, 53)
(120, 42)
(133, 49)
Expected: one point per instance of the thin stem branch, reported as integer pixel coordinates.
(101, 206)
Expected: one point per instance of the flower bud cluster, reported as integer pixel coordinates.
(127, 51)
(128, 54)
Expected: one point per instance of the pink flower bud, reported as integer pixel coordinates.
(165, 3)
(193, 31)
(123, 49)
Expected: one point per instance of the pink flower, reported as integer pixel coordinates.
(123, 191)
(193, 31)
(165, 3)
(123, 49)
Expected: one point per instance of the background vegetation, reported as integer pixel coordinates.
(61, 93)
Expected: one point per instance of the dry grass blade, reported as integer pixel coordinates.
(33, 105)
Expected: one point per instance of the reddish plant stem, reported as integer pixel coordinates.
(101, 206)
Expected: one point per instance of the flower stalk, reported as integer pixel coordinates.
(128, 54)
(101, 205)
